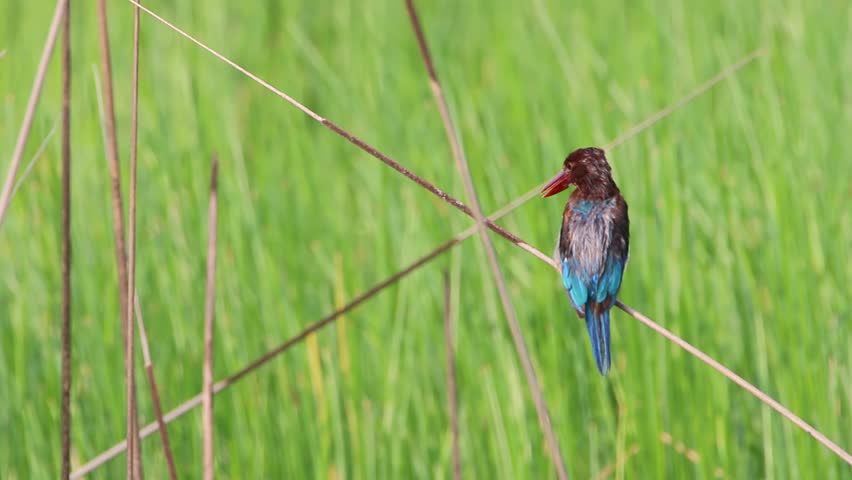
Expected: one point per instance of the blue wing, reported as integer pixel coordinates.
(600, 288)
(575, 284)
(607, 285)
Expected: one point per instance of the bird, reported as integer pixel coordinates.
(593, 244)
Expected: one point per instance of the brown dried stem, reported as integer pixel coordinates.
(470, 191)
(209, 304)
(65, 471)
(452, 392)
(134, 467)
(32, 103)
(129, 331)
(131, 290)
(155, 392)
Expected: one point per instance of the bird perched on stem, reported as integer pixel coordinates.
(593, 242)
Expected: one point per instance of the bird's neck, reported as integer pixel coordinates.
(596, 188)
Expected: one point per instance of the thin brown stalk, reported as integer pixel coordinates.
(155, 392)
(29, 113)
(134, 464)
(265, 358)
(130, 329)
(131, 290)
(65, 471)
(452, 392)
(209, 304)
(730, 375)
(487, 243)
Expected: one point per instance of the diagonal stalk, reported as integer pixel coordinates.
(470, 191)
(32, 103)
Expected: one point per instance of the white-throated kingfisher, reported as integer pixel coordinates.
(593, 243)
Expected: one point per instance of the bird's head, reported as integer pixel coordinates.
(586, 168)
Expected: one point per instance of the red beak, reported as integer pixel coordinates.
(560, 182)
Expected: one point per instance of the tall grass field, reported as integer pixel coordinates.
(741, 221)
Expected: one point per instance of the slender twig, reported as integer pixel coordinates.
(131, 290)
(487, 243)
(155, 392)
(130, 328)
(195, 401)
(760, 395)
(29, 114)
(351, 138)
(65, 472)
(112, 156)
(452, 392)
(134, 459)
(209, 304)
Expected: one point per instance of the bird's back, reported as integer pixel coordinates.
(593, 250)
(589, 226)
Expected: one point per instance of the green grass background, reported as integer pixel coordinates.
(741, 235)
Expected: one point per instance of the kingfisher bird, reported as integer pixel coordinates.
(593, 243)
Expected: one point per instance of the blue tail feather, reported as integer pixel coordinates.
(598, 326)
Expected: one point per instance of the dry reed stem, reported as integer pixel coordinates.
(65, 469)
(209, 304)
(452, 389)
(188, 405)
(134, 307)
(155, 392)
(131, 290)
(760, 395)
(541, 408)
(129, 331)
(29, 113)
(134, 467)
